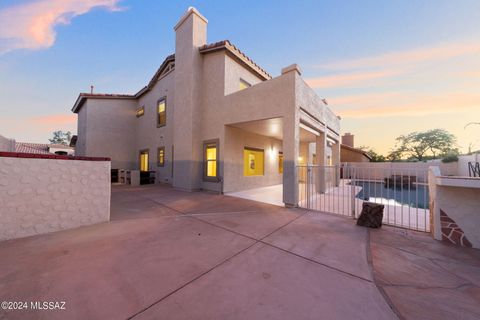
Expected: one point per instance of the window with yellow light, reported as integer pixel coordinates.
(144, 160)
(280, 162)
(211, 160)
(162, 113)
(161, 157)
(253, 162)
(243, 84)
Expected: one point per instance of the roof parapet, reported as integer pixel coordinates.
(292, 67)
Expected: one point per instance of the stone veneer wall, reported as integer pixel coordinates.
(43, 193)
(452, 232)
(454, 208)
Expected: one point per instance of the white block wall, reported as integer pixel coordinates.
(44, 195)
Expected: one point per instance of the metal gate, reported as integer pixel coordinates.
(343, 189)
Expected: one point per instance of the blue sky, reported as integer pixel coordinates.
(387, 67)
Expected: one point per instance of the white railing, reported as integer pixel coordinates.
(343, 189)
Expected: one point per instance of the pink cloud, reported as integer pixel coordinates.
(53, 119)
(418, 105)
(36, 128)
(408, 57)
(348, 79)
(31, 25)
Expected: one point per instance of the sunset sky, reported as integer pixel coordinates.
(387, 67)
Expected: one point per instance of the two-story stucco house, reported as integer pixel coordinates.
(212, 119)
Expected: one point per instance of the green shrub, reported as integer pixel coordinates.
(450, 158)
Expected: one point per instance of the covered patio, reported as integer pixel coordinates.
(267, 138)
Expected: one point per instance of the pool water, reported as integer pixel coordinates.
(416, 197)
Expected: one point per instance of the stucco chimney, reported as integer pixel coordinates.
(190, 34)
(347, 139)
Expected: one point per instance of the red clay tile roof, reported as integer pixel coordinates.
(344, 146)
(106, 95)
(237, 53)
(49, 156)
(36, 148)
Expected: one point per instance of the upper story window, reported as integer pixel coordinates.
(244, 84)
(140, 112)
(162, 112)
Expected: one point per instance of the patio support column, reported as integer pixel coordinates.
(336, 161)
(321, 146)
(291, 151)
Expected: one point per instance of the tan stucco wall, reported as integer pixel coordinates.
(236, 140)
(351, 156)
(307, 99)
(81, 145)
(45, 195)
(234, 72)
(151, 137)
(107, 128)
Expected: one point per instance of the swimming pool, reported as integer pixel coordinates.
(376, 192)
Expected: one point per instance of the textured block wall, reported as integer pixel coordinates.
(45, 195)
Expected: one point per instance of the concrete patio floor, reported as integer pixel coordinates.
(169, 254)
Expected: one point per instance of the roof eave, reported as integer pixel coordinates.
(78, 103)
(233, 53)
(156, 76)
(84, 96)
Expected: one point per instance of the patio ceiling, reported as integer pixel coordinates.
(267, 127)
(274, 128)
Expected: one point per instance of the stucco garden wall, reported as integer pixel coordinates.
(44, 195)
(381, 170)
(463, 163)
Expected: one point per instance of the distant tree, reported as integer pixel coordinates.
(376, 157)
(394, 155)
(421, 146)
(61, 137)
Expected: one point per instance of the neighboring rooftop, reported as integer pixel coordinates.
(344, 146)
(38, 148)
